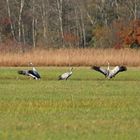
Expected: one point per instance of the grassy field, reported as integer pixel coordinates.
(86, 107)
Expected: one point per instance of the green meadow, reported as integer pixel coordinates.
(85, 107)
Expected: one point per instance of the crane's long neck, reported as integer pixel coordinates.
(34, 69)
(108, 68)
(71, 70)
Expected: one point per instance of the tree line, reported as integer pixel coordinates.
(65, 23)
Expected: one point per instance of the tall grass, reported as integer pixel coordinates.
(72, 56)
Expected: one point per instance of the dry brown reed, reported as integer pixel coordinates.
(72, 57)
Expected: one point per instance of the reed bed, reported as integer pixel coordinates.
(72, 57)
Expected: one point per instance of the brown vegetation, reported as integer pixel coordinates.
(72, 57)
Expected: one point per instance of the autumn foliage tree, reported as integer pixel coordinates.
(70, 23)
(128, 35)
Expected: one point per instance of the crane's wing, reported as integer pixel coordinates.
(70, 73)
(23, 72)
(64, 76)
(116, 70)
(101, 70)
(34, 74)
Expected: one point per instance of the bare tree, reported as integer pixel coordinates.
(60, 11)
(63, 22)
(44, 15)
(34, 21)
(9, 14)
(20, 20)
(132, 6)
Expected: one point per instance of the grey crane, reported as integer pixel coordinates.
(66, 75)
(108, 72)
(32, 73)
